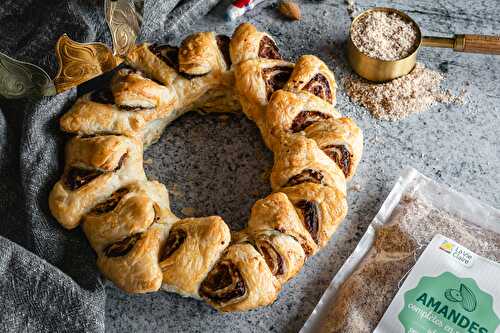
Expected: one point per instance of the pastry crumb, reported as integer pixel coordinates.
(188, 211)
(175, 191)
(255, 193)
(266, 174)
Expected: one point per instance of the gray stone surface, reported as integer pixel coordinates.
(217, 166)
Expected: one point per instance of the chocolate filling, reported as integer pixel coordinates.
(134, 108)
(320, 87)
(275, 78)
(307, 118)
(174, 240)
(77, 177)
(307, 175)
(272, 257)
(223, 45)
(191, 76)
(340, 155)
(127, 70)
(170, 55)
(299, 238)
(103, 96)
(157, 210)
(268, 49)
(121, 248)
(223, 283)
(111, 203)
(310, 212)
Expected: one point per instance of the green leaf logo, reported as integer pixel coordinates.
(463, 295)
(469, 301)
(432, 306)
(453, 295)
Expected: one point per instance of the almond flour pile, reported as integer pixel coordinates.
(401, 97)
(385, 36)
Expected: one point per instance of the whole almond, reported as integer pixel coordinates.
(289, 9)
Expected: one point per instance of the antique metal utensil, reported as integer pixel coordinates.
(20, 79)
(78, 62)
(124, 24)
(382, 70)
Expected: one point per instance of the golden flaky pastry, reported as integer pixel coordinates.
(341, 139)
(133, 106)
(257, 80)
(141, 245)
(132, 263)
(129, 210)
(311, 75)
(204, 52)
(300, 160)
(88, 116)
(191, 249)
(321, 208)
(127, 231)
(241, 280)
(289, 113)
(155, 60)
(283, 254)
(248, 43)
(95, 168)
(132, 90)
(276, 212)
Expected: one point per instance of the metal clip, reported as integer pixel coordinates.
(21, 79)
(80, 62)
(124, 24)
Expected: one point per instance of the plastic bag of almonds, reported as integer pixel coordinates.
(429, 262)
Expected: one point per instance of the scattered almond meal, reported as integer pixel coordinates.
(175, 191)
(266, 174)
(355, 188)
(401, 97)
(351, 8)
(255, 193)
(224, 119)
(148, 161)
(289, 9)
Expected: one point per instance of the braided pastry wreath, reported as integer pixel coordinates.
(141, 245)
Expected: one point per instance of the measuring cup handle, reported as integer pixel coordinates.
(477, 44)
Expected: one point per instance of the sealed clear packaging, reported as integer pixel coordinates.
(416, 212)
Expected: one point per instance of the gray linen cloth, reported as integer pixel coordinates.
(48, 278)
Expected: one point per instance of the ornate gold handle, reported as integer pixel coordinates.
(21, 79)
(124, 23)
(80, 62)
(466, 43)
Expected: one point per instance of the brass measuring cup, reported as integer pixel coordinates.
(382, 70)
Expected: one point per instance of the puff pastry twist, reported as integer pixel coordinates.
(141, 245)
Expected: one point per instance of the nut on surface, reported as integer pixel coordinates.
(289, 9)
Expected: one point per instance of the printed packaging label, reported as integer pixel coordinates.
(450, 289)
